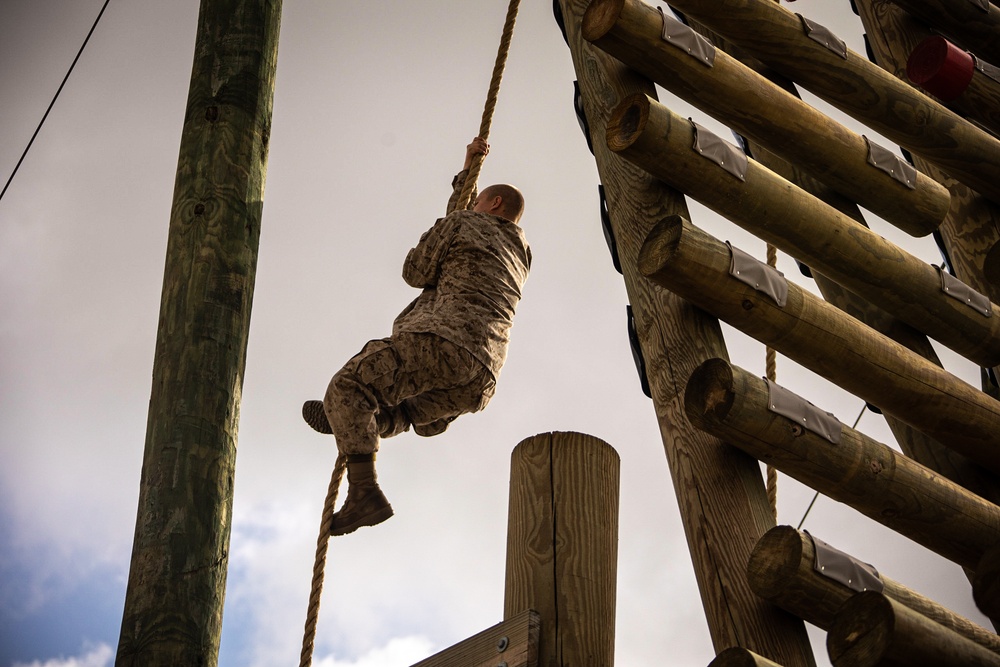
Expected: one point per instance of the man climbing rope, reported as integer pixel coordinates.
(446, 348)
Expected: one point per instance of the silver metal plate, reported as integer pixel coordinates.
(687, 40)
(758, 275)
(956, 289)
(987, 69)
(892, 164)
(822, 35)
(803, 413)
(721, 152)
(845, 569)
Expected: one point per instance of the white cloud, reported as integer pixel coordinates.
(398, 651)
(99, 655)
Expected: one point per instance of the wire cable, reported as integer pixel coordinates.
(816, 495)
(52, 103)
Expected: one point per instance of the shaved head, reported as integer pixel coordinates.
(512, 201)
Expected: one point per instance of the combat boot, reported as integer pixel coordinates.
(366, 505)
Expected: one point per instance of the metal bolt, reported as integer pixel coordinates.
(502, 644)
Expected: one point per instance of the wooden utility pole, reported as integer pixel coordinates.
(562, 545)
(176, 586)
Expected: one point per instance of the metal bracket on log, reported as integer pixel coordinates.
(892, 164)
(990, 71)
(758, 275)
(822, 35)
(686, 39)
(958, 290)
(787, 404)
(844, 568)
(720, 151)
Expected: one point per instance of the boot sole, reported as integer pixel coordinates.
(369, 520)
(315, 416)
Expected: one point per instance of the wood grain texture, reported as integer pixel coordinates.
(873, 630)
(720, 491)
(173, 605)
(740, 657)
(513, 642)
(781, 570)
(872, 478)
(659, 140)
(562, 545)
(695, 265)
(857, 87)
(762, 111)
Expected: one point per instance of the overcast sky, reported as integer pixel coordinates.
(373, 107)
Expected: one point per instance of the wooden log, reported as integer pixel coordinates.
(720, 492)
(873, 630)
(916, 445)
(176, 584)
(874, 479)
(986, 584)
(631, 31)
(857, 87)
(741, 657)
(973, 24)
(696, 266)
(653, 137)
(782, 571)
(562, 545)
(972, 226)
(952, 76)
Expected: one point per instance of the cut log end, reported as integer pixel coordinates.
(710, 392)
(661, 245)
(940, 68)
(600, 17)
(862, 630)
(627, 121)
(775, 559)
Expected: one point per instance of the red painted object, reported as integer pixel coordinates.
(940, 68)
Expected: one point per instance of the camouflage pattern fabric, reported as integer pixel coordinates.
(419, 379)
(448, 345)
(471, 267)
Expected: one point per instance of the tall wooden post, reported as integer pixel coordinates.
(562, 545)
(176, 586)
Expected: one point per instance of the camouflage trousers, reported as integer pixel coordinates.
(411, 379)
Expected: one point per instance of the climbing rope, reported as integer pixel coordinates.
(319, 564)
(771, 366)
(322, 542)
(491, 103)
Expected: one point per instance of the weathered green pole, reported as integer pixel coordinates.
(176, 586)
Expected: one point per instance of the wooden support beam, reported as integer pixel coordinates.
(874, 479)
(873, 630)
(696, 266)
(562, 545)
(660, 141)
(631, 31)
(857, 87)
(741, 657)
(782, 570)
(176, 585)
(513, 642)
(951, 75)
(986, 584)
(720, 491)
(975, 24)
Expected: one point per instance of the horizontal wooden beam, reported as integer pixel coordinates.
(632, 31)
(513, 642)
(694, 265)
(655, 138)
(951, 74)
(873, 630)
(857, 87)
(782, 570)
(874, 479)
(973, 24)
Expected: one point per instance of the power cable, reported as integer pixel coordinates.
(52, 103)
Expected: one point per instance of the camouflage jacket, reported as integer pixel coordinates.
(471, 267)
